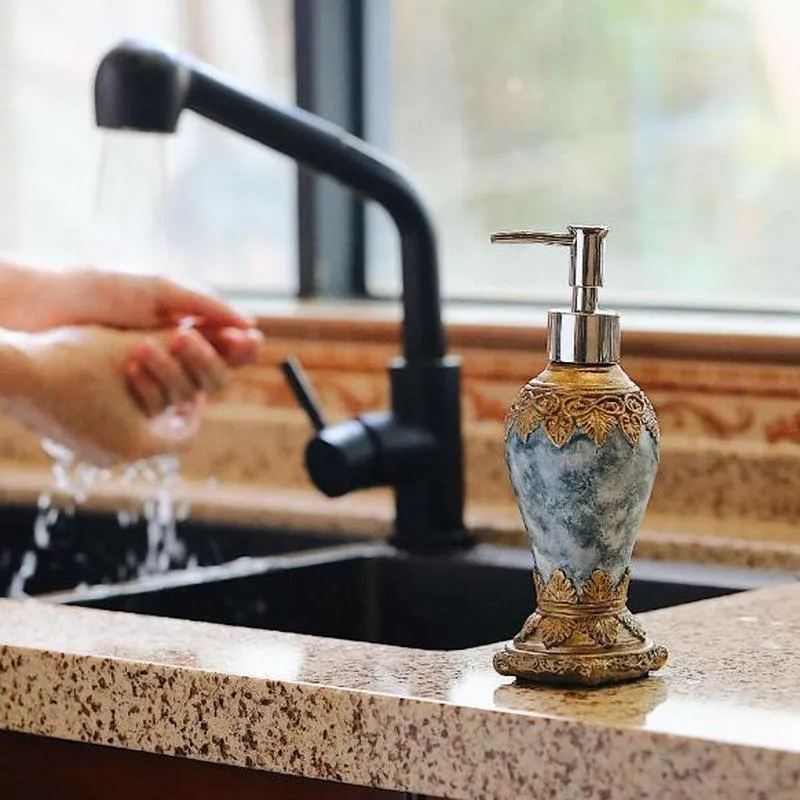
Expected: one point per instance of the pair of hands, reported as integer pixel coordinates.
(101, 356)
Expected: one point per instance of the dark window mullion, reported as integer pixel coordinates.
(329, 65)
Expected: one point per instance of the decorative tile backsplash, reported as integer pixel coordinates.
(730, 427)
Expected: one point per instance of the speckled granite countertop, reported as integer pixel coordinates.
(721, 721)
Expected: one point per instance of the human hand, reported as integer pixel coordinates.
(35, 299)
(163, 373)
(68, 385)
(121, 300)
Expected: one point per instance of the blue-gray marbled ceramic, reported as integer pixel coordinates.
(582, 504)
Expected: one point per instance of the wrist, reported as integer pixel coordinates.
(86, 296)
(63, 299)
(24, 296)
(37, 298)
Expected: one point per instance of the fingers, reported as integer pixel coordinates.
(137, 301)
(169, 369)
(176, 301)
(146, 391)
(236, 347)
(199, 359)
(174, 371)
(176, 385)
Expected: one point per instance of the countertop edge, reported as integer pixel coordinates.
(393, 735)
(362, 726)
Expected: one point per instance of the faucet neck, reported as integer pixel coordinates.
(332, 151)
(416, 448)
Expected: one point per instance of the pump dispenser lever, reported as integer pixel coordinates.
(582, 334)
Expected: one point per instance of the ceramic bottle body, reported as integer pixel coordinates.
(582, 455)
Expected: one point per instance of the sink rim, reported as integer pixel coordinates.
(243, 567)
(372, 592)
(482, 554)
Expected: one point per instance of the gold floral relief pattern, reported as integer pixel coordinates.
(599, 590)
(563, 412)
(559, 589)
(584, 636)
(577, 669)
(596, 611)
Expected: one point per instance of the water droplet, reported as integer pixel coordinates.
(41, 532)
(74, 482)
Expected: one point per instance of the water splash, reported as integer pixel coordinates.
(73, 483)
(129, 236)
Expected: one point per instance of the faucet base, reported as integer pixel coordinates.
(429, 502)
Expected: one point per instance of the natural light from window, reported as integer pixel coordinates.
(225, 211)
(675, 122)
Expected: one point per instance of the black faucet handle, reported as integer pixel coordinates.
(371, 450)
(301, 386)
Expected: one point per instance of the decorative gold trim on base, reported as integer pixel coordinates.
(583, 636)
(584, 669)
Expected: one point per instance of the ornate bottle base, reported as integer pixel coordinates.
(582, 453)
(585, 637)
(539, 665)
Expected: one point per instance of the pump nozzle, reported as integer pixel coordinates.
(582, 335)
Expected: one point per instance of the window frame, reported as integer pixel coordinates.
(330, 68)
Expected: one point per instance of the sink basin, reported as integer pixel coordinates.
(373, 593)
(91, 548)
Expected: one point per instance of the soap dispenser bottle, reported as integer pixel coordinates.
(582, 454)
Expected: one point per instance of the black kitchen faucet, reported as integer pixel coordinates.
(417, 447)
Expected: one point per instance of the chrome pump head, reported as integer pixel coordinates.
(582, 334)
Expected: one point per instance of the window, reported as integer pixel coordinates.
(675, 122)
(205, 204)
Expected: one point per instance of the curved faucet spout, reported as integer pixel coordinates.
(143, 86)
(417, 448)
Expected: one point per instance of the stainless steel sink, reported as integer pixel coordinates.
(93, 549)
(373, 593)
